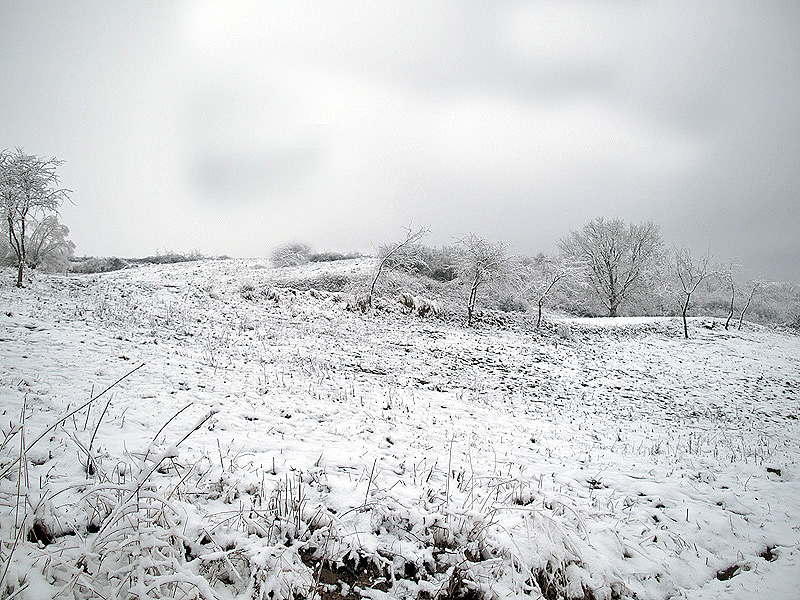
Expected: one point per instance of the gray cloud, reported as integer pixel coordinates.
(245, 174)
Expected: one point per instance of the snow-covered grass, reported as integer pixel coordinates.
(245, 439)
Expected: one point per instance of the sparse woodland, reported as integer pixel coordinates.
(605, 269)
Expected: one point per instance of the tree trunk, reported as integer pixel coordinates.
(613, 298)
(19, 248)
(730, 312)
(744, 310)
(470, 306)
(685, 309)
(374, 282)
(539, 320)
(473, 294)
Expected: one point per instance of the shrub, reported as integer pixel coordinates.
(328, 282)
(168, 257)
(93, 264)
(795, 323)
(333, 256)
(291, 255)
(507, 302)
(438, 264)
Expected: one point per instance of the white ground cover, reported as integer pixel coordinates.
(321, 452)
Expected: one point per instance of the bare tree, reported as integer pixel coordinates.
(727, 274)
(617, 257)
(397, 253)
(480, 262)
(543, 275)
(754, 287)
(690, 275)
(29, 188)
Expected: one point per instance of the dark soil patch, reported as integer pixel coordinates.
(363, 574)
(729, 573)
(769, 554)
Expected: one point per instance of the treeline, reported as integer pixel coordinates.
(95, 264)
(605, 268)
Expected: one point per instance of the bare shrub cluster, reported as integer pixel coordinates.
(168, 257)
(296, 254)
(106, 264)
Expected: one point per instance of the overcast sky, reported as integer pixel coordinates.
(233, 127)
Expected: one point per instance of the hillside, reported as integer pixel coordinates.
(267, 442)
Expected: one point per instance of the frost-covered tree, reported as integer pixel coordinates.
(543, 275)
(755, 286)
(48, 247)
(726, 275)
(479, 263)
(617, 257)
(397, 254)
(29, 190)
(690, 274)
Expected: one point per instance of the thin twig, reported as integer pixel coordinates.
(163, 427)
(67, 416)
(369, 483)
(97, 426)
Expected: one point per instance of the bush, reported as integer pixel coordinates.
(291, 255)
(328, 282)
(7, 256)
(438, 264)
(795, 323)
(92, 264)
(167, 258)
(333, 256)
(441, 262)
(509, 303)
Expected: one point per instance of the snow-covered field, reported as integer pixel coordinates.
(269, 443)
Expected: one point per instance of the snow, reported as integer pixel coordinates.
(384, 453)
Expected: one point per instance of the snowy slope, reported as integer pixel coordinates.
(319, 451)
